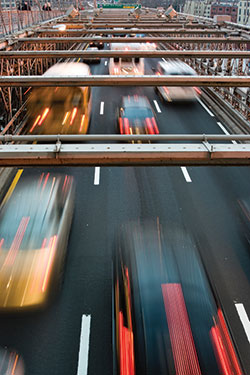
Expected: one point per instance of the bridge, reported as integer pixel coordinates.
(178, 197)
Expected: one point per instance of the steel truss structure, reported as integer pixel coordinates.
(219, 53)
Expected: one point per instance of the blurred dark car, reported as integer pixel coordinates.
(136, 116)
(97, 43)
(165, 318)
(92, 60)
(34, 226)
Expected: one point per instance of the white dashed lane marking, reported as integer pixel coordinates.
(205, 107)
(186, 174)
(244, 318)
(84, 346)
(97, 176)
(102, 108)
(157, 106)
(225, 130)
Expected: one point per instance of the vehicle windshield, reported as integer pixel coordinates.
(31, 215)
(137, 112)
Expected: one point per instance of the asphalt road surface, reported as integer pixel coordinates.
(203, 199)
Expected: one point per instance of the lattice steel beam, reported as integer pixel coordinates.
(143, 31)
(133, 39)
(129, 80)
(136, 53)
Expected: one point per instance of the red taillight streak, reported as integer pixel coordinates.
(155, 125)
(40, 180)
(219, 351)
(27, 91)
(65, 182)
(126, 125)
(52, 247)
(121, 125)
(45, 181)
(44, 115)
(35, 123)
(166, 90)
(149, 125)
(197, 90)
(183, 348)
(1, 242)
(74, 112)
(229, 343)
(126, 349)
(9, 260)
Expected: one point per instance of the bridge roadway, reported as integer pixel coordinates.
(202, 198)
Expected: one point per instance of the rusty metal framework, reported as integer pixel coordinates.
(216, 52)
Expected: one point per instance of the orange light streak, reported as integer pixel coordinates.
(82, 123)
(45, 112)
(35, 123)
(66, 117)
(74, 112)
(14, 366)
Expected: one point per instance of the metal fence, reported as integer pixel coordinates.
(16, 20)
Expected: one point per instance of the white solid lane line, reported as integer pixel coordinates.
(102, 108)
(157, 106)
(97, 176)
(244, 318)
(205, 107)
(84, 346)
(225, 130)
(105, 62)
(186, 174)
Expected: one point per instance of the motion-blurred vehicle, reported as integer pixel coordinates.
(60, 110)
(60, 27)
(165, 318)
(136, 116)
(34, 228)
(244, 213)
(97, 43)
(92, 60)
(127, 65)
(176, 68)
(11, 363)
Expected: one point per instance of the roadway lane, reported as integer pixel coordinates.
(49, 340)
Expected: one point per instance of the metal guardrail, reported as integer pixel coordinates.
(209, 41)
(124, 154)
(16, 20)
(125, 80)
(119, 53)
